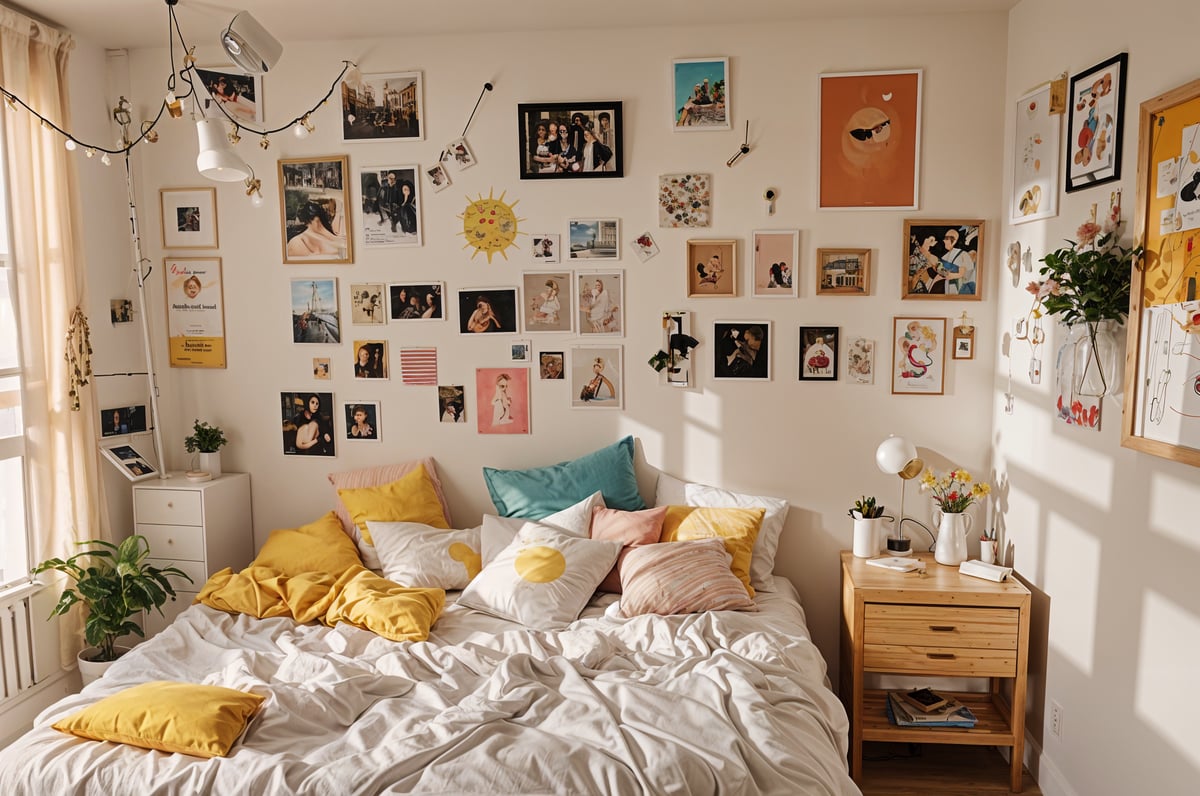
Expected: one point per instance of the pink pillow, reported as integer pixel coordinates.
(630, 528)
(681, 578)
(378, 476)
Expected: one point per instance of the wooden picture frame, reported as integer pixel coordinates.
(918, 355)
(593, 130)
(1096, 108)
(711, 268)
(195, 301)
(775, 266)
(820, 353)
(943, 259)
(1036, 148)
(382, 107)
(870, 157)
(1161, 410)
(315, 210)
(843, 272)
(700, 95)
(189, 218)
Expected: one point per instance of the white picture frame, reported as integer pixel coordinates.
(189, 218)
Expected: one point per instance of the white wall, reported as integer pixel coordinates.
(1107, 536)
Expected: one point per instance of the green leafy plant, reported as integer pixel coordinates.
(204, 438)
(114, 582)
(1086, 281)
(865, 509)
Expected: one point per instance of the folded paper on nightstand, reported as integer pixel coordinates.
(978, 569)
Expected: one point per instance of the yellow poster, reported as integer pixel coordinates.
(195, 312)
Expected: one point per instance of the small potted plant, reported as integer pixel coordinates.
(207, 441)
(113, 582)
(868, 526)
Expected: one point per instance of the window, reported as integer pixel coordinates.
(14, 532)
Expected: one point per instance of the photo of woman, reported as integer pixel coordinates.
(596, 377)
(362, 421)
(307, 423)
(487, 311)
(316, 211)
(548, 300)
(601, 298)
(502, 400)
(370, 359)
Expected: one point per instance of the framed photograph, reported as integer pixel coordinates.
(368, 303)
(420, 302)
(322, 369)
(1096, 107)
(918, 356)
(674, 362)
(945, 259)
(315, 317)
(370, 359)
(844, 272)
(120, 311)
(189, 218)
(502, 400)
(487, 310)
(549, 298)
(860, 361)
(597, 377)
(870, 149)
(439, 179)
(452, 403)
(742, 350)
(122, 420)
(315, 205)
(644, 246)
(711, 268)
(521, 351)
(570, 140)
(962, 341)
(459, 153)
(776, 260)
(1035, 158)
(307, 423)
(601, 302)
(595, 238)
(195, 312)
(685, 200)
(236, 93)
(550, 365)
(132, 464)
(544, 248)
(383, 107)
(700, 87)
(391, 208)
(418, 365)
(819, 353)
(362, 421)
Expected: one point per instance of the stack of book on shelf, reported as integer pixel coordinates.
(926, 708)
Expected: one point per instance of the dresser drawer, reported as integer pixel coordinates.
(174, 542)
(941, 626)
(167, 507)
(946, 661)
(154, 623)
(194, 569)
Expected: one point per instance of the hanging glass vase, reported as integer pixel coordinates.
(1094, 358)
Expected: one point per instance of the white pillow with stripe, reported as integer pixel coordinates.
(681, 578)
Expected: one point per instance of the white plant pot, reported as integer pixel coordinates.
(867, 536)
(211, 463)
(90, 670)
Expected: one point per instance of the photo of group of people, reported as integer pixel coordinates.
(742, 350)
(391, 214)
(943, 259)
(382, 107)
(416, 302)
(567, 140)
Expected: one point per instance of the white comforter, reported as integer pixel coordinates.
(722, 702)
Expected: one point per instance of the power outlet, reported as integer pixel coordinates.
(1056, 719)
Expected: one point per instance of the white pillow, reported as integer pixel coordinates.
(674, 492)
(420, 556)
(543, 579)
(498, 532)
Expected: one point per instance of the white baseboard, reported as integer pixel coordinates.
(19, 712)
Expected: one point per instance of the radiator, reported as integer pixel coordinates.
(16, 646)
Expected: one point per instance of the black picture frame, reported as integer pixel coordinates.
(820, 352)
(1096, 108)
(593, 114)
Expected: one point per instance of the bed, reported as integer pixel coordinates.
(716, 701)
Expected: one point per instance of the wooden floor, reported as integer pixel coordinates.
(890, 769)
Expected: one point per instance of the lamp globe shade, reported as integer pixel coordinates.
(216, 160)
(898, 456)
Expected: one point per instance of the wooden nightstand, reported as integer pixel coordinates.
(943, 624)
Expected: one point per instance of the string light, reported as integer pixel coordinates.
(105, 159)
(303, 127)
(252, 191)
(69, 144)
(233, 135)
(265, 143)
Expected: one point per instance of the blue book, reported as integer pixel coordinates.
(898, 715)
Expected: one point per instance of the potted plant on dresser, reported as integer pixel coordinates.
(114, 582)
(207, 440)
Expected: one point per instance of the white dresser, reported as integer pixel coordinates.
(199, 527)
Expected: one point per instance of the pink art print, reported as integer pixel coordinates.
(502, 400)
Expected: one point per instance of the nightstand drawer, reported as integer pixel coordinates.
(174, 542)
(946, 661)
(167, 507)
(941, 626)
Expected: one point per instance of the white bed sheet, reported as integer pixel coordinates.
(723, 702)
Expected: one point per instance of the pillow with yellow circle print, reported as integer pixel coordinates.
(543, 579)
(421, 556)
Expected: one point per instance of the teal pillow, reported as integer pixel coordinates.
(540, 491)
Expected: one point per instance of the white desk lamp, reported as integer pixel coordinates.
(898, 456)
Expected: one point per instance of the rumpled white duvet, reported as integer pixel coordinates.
(723, 702)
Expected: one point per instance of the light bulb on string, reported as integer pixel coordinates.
(234, 138)
(300, 131)
(70, 144)
(105, 159)
(265, 143)
(91, 153)
(12, 105)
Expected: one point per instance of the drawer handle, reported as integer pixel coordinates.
(170, 504)
(170, 540)
(940, 656)
(942, 628)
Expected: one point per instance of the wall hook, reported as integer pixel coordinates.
(744, 149)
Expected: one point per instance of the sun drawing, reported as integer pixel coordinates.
(490, 225)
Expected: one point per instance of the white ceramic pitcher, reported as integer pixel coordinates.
(951, 547)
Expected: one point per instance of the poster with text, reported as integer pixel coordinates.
(195, 312)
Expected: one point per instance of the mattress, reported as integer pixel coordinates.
(713, 703)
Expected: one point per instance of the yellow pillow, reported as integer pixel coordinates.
(191, 719)
(737, 527)
(385, 608)
(320, 546)
(410, 498)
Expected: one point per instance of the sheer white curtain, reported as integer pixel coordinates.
(51, 280)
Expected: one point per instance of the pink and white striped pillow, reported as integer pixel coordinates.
(681, 578)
